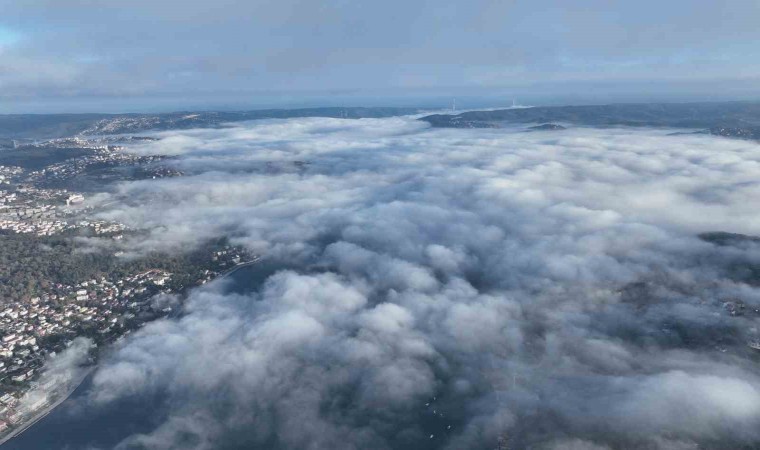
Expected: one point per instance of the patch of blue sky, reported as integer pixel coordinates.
(8, 36)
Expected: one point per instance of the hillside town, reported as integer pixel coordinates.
(44, 212)
(102, 309)
(8, 173)
(27, 209)
(79, 141)
(102, 156)
(43, 320)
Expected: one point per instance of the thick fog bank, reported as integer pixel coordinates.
(452, 286)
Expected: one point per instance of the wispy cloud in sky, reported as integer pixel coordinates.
(196, 52)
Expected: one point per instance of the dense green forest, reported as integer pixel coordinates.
(32, 158)
(31, 265)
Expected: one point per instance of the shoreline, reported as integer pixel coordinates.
(48, 409)
(236, 267)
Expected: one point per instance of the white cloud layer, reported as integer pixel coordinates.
(545, 285)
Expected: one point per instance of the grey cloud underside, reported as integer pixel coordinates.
(550, 286)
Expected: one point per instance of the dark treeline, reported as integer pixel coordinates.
(32, 265)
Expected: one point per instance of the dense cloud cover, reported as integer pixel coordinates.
(444, 287)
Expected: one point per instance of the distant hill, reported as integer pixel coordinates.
(737, 132)
(728, 239)
(547, 127)
(50, 126)
(733, 119)
(31, 158)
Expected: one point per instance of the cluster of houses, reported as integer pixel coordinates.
(38, 227)
(103, 227)
(15, 408)
(108, 154)
(33, 211)
(100, 304)
(8, 173)
(29, 210)
(41, 220)
(67, 142)
(101, 308)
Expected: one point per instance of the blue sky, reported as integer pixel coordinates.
(8, 37)
(119, 55)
